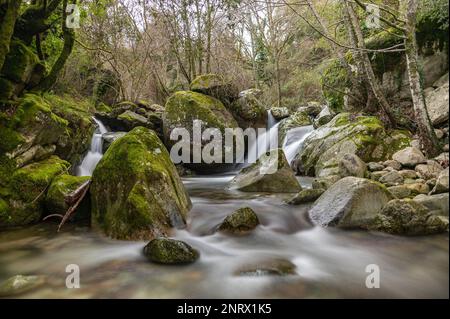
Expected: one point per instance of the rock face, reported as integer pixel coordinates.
(248, 110)
(437, 104)
(351, 202)
(22, 202)
(409, 157)
(136, 192)
(170, 251)
(183, 108)
(306, 196)
(407, 217)
(347, 133)
(241, 221)
(271, 173)
(352, 165)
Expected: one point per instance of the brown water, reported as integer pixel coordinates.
(330, 263)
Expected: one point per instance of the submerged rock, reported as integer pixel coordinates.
(271, 173)
(136, 191)
(20, 284)
(242, 220)
(306, 196)
(351, 202)
(409, 157)
(170, 251)
(407, 217)
(269, 267)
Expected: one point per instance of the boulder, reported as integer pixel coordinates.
(241, 221)
(131, 120)
(280, 113)
(110, 137)
(347, 133)
(418, 188)
(325, 182)
(170, 251)
(312, 108)
(183, 108)
(59, 189)
(136, 192)
(408, 173)
(400, 191)
(351, 202)
(391, 178)
(409, 157)
(271, 173)
(352, 165)
(443, 159)
(306, 196)
(430, 170)
(377, 175)
(437, 202)
(324, 117)
(267, 267)
(375, 167)
(216, 86)
(248, 109)
(441, 185)
(407, 217)
(437, 104)
(393, 164)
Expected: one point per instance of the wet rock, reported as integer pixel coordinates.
(375, 167)
(136, 192)
(438, 202)
(409, 157)
(280, 113)
(407, 217)
(271, 173)
(352, 165)
(20, 284)
(170, 251)
(400, 191)
(393, 164)
(442, 182)
(110, 137)
(241, 221)
(351, 202)
(306, 196)
(325, 182)
(429, 170)
(277, 267)
(391, 178)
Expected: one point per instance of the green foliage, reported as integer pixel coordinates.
(334, 82)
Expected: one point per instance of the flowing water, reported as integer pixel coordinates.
(95, 153)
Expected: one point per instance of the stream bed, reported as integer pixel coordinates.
(329, 263)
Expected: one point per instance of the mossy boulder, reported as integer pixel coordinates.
(241, 221)
(347, 133)
(23, 199)
(407, 217)
(185, 107)
(248, 109)
(270, 173)
(280, 113)
(215, 85)
(109, 137)
(170, 251)
(60, 188)
(351, 202)
(136, 192)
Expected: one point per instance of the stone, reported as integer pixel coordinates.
(352, 165)
(110, 137)
(377, 175)
(437, 202)
(136, 192)
(325, 182)
(407, 217)
(170, 251)
(271, 173)
(248, 109)
(408, 173)
(393, 164)
(132, 120)
(439, 133)
(241, 221)
(271, 267)
(324, 117)
(391, 178)
(375, 167)
(443, 159)
(418, 188)
(409, 157)
(215, 85)
(280, 113)
(429, 170)
(437, 104)
(306, 196)
(351, 202)
(442, 183)
(400, 191)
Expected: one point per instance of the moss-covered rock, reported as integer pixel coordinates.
(347, 133)
(407, 217)
(60, 188)
(280, 113)
(215, 85)
(170, 251)
(20, 62)
(248, 109)
(270, 173)
(241, 221)
(136, 191)
(24, 197)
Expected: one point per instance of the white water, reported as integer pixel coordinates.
(294, 140)
(95, 153)
(271, 121)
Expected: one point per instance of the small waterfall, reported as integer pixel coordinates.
(264, 143)
(294, 140)
(90, 161)
(271, 121)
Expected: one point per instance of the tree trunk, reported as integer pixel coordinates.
(428, 139)
(7, 27)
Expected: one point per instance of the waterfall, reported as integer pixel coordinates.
(271, 121)
(95, 153)
(294, 140)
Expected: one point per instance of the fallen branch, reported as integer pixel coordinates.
(75, 197)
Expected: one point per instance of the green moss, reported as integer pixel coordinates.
(60, 187)
(207, 81)
(6, 89)
(19, 62)
(334, 82)
(103, 108)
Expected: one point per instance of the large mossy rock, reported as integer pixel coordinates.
(351, 202)
(136, 192)
(347, 133)
(240, 221)
(183, 108)
(248, 109)
(60, 188)
(407, 217)
(270, 173)
(215, 85)
(23, 199)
